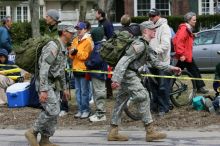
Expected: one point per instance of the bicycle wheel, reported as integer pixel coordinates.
(182, 90)
(131, 107)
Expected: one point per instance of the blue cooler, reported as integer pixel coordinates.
(18, 95)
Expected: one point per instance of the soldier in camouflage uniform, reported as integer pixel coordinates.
(50, 81)
(126, 77)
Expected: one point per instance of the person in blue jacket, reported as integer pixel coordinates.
(5, 81)
(95, 62)
(5, 38)
(108, 32)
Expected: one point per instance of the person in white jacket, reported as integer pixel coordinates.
(162, 46)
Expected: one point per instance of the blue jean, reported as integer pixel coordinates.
(82, 94)
(216, 103)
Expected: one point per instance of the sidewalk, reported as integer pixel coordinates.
(12, 137)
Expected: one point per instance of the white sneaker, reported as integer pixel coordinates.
(85, 115)
(62, 113)
(78, 114)
(97, 118)
(91, 101)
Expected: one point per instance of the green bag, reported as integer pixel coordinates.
(198, 103)
(28, 53)
(114, 48)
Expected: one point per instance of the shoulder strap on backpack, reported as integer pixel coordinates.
(59, 49)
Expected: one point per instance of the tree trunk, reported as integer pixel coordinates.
(83, 8)
(34, 10)
(109, 8)
(102, 4)
(106, 6)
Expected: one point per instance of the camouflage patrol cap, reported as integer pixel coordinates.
(148, 25)
(66, 26)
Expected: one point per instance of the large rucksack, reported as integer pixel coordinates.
(28, 53)
(114, 48)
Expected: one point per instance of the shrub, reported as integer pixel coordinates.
(203, 21)
(22, 30)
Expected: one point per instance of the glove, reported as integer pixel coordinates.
(73, 51)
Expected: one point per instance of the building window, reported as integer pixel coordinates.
(143, 7)
(2, 12)
(163, 6)
(217, 6)
(41, 11)
(19, 14)
(25, 14)
(205, 7)
(22, 13)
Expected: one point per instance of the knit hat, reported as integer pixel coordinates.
(54, 14)
(97, 34)
(3, 52)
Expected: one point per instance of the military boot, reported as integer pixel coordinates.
(152, 135)
(31, 136)
(115, 136)
(44, 141)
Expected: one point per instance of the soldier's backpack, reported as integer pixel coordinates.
(114, 48)
(28, 53)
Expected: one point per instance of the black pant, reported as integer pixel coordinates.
(108, 83)
(160, 88)
(64, 103)
(193, 69)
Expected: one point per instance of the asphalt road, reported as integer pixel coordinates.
(12, 137)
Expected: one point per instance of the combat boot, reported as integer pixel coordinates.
(44, 141)
(31, 136)
(152, 135)
(115, 136)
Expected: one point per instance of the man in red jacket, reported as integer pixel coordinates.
(183, 44)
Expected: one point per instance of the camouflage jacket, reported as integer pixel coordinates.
(138, 54)
(52, 66)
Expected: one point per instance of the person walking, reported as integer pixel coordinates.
(50, 81)
(5, 37)
(126, 80)
(162, 46)
(183, 45)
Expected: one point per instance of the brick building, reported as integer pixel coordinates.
(171, 7)
(69, 9)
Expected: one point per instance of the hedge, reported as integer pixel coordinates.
(203, 21)
(22, 31)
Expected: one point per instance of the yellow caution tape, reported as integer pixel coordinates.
(14, 77)
(11, 71)
(9, 65)
(145, 75)
(178, 77)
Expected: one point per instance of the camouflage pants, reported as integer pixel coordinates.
(5, 82)
(133, 86)
(47, 119)
(99, 94)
